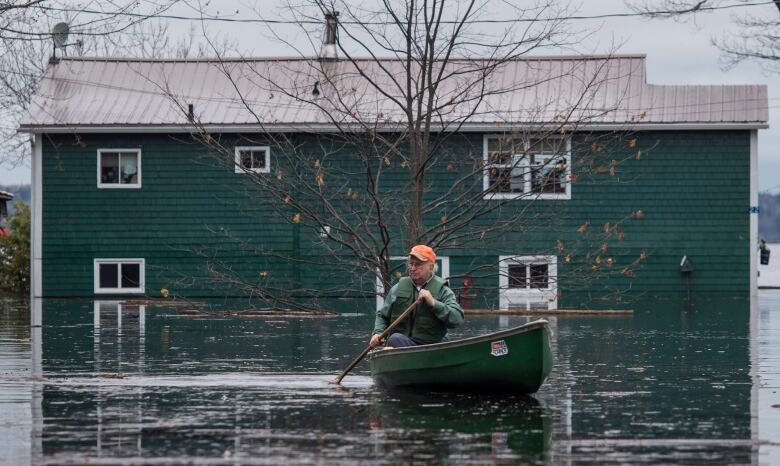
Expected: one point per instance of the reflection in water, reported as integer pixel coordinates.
(329, 426)
(15, 387)
(303, 381)
(144, 383)
(511, 429)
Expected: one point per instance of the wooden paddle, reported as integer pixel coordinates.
(382, 336)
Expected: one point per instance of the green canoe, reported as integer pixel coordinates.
(517, 360)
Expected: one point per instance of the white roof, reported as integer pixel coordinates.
(107, 94)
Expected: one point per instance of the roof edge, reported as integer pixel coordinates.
(324, 128)
(316, 58)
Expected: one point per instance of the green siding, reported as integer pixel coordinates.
(692, 186)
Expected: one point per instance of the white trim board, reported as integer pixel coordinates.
(36, 227)
(753, 216)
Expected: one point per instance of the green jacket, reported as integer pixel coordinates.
(426, 324)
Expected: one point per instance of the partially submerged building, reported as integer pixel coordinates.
(587, 182)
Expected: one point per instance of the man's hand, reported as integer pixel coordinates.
(426, 296)
(375, 341)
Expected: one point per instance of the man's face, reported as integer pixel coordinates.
(419, 271)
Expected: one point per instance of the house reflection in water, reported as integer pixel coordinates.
(221, 386)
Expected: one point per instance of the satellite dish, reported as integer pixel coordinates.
(60, 34)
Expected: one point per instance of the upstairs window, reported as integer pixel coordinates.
(253, 159)
(527, 168)
(119, 275)
(119, 168)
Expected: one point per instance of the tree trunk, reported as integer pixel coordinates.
(416, 189)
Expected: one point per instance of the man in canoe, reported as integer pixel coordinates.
(438, 309)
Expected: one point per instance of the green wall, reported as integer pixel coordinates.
(193, 213)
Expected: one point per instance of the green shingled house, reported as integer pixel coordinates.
(580, 182)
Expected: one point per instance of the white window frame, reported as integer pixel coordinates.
(101, 185)
(142, 276)
(526, 297)
(237, 159)
(444, 273)
(518, 161)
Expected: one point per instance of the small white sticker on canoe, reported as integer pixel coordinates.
(499, 348)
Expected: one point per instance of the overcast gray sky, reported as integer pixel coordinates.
(677, 53)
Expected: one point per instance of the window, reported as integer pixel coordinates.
(119, 168)
(119, 275)
(529, 275)
(528, 282)
(527, 168)
(517, 275)
(253, 159)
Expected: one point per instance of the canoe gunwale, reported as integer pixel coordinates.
(531, 326)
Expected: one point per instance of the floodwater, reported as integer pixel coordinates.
(107, 383)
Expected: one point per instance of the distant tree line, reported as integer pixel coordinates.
(15, 248)
(15, 253)
(769, 218)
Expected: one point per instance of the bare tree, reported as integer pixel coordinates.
(392, 113)
(758, 36)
